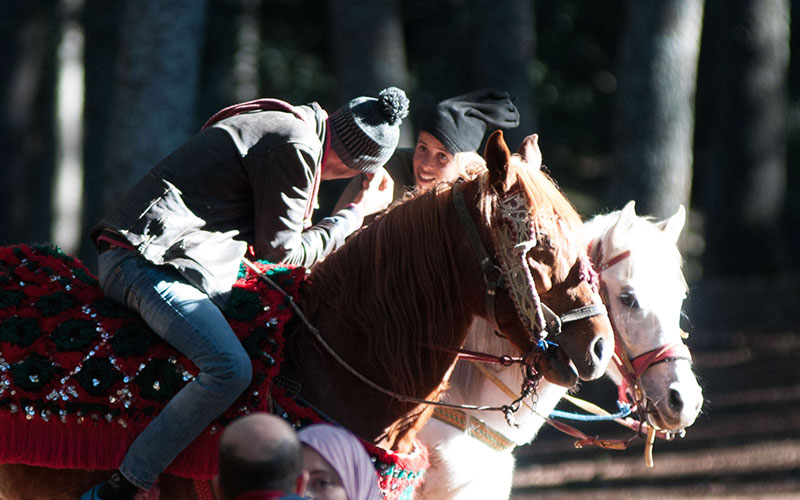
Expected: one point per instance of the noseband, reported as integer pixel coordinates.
(515, 274)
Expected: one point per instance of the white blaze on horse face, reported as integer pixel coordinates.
(645, 293)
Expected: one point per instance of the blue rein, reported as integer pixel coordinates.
(624, 411)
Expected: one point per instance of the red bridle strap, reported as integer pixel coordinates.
(614, 260)
(664, 353)
(598, 257)
(480, 357)
(632, 369)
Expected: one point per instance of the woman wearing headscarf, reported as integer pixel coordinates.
(337, 464)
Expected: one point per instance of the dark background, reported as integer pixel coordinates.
(666, 102)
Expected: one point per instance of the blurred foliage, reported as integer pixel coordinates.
(295, 60)
(575, 84)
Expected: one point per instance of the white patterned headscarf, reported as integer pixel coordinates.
(348, 458)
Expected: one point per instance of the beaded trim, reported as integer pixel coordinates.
(474, 428)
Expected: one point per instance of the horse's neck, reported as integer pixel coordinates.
(382, 301)
(468, 385)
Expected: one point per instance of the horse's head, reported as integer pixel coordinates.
(644, 288)
(550, 289)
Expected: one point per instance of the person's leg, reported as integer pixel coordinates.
(186, 318)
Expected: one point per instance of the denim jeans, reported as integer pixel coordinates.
(186, 318)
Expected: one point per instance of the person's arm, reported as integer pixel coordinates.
(282, 188)
(350, 192)
(400, 169)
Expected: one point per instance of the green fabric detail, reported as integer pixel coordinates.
(243, 305)
(253, 342)
(159, 380)
(74, 335)
(85, 277)
(132, 340)
(10, 298)
(97, 375)
(21, 332)
(52, 304)
(33, 373)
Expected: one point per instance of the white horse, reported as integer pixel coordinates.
(643, 289)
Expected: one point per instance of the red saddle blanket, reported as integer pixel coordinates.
(81, 376)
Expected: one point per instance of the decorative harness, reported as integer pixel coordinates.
(538, 318)
(513, 239)
(631, 370)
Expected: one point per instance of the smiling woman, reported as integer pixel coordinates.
(337, 465)
(447, 142)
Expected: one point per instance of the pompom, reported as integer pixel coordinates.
(393, 104)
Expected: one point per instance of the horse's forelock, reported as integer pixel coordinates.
(647, 244)
(553, 215)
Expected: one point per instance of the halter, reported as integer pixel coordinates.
(633, 368)
(513, 240)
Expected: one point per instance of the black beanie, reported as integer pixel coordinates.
(461, 122)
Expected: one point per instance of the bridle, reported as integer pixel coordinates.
(513, 240)
(541, 320)
(632, 369)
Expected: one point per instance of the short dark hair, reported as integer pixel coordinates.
(238, 474)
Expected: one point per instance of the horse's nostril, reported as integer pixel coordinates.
(675, 401)
(598, 348)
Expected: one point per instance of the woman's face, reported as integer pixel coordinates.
(324, 482)
(433, 163)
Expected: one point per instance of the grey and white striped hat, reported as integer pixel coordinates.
(365, 132)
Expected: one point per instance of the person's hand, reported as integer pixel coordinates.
(376, 193)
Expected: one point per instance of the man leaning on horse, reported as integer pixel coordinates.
(245, 185)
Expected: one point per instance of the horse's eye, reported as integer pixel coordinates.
(628, 299)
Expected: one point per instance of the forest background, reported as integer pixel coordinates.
(664, 102)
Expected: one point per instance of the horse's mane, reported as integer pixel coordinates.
(402, 286)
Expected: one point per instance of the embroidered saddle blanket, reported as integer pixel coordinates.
(81, 376)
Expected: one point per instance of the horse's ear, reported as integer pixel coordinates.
(673, 226)
(625, 222)
(497, 157)
(530, 152)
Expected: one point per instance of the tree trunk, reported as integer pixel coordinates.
(156, 91)
(369, 51)
(655, 105)
(742, 135)
(102, 24)
(230, 57)
(28, 56)
(368, 46)
(502, 47)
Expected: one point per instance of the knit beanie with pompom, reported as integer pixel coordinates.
(365, 132)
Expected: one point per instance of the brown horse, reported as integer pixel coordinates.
(385, 313)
